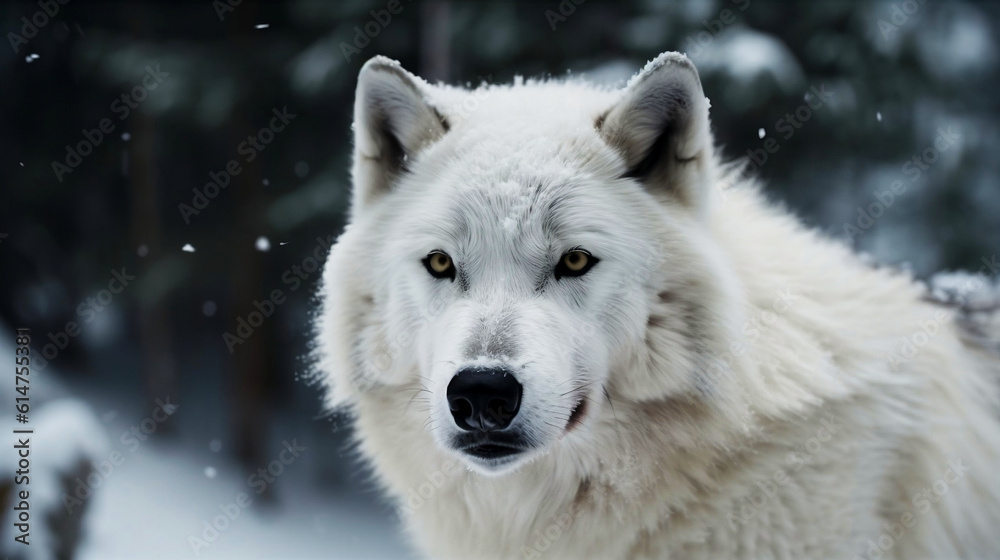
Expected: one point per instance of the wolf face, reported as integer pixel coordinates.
(517, 255)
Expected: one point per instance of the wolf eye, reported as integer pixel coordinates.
(575, 263)
(439, 265)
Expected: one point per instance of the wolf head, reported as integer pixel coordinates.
(521, 256)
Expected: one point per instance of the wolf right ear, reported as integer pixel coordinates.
(660, 127)
(392, 123)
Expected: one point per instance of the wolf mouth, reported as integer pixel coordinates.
(492, 450)
(491, 446)
(577, 414)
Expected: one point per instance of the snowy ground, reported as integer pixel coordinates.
(161, 495)
(164, 489)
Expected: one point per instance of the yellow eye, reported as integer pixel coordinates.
(575, 263)
(440, 262)
(440, 265)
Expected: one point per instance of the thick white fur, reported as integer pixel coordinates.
(750, 393)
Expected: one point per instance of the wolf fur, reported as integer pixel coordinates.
(752, 389)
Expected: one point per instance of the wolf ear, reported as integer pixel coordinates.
(392, 123)
(660, 127)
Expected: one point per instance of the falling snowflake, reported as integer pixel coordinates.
(209, 308)
(263, 244)
(878, 115)
(760, 133)
(187, 248)
(210, 472)
(142, 251)
(262, 25)
(126, 136)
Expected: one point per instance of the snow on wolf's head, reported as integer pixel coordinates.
(520, 255)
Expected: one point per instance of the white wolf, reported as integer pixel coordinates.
(565, 331)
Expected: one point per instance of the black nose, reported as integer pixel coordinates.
(484, 399)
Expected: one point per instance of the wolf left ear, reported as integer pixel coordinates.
(393, 122)
(660, 127)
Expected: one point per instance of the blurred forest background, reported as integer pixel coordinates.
(880, 82)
